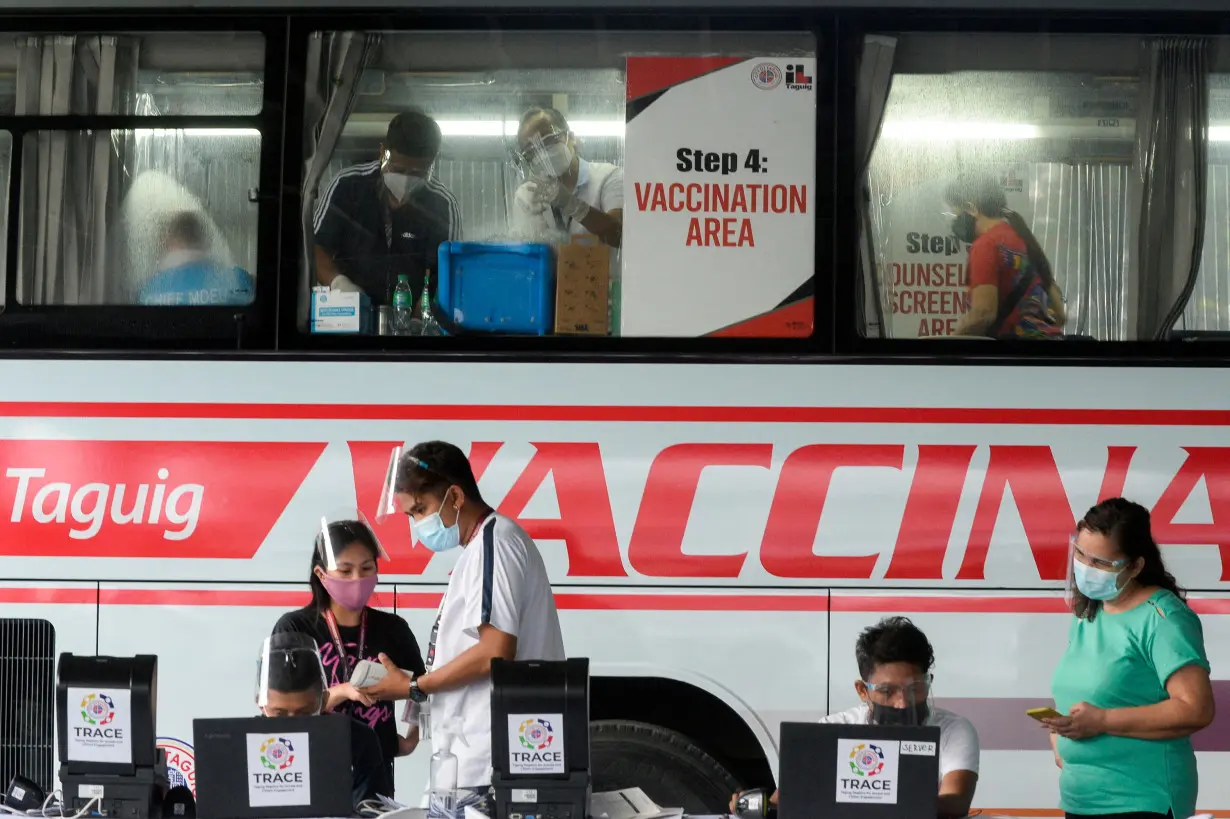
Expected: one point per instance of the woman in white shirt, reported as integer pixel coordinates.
(563, 193)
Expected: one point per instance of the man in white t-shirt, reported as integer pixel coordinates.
(498, 603)
(894, 664)
(563, 194)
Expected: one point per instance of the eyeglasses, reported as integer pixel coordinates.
(1101, 563)
(915, 689)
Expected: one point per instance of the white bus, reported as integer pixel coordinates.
(720, 515)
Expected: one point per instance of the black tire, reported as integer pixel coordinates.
(666, 765)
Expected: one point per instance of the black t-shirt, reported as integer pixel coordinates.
(373, 244)
(368, 770)
(386, 633)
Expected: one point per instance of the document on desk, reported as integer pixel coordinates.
(630, 803)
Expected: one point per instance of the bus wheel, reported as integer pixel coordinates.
(666, 765)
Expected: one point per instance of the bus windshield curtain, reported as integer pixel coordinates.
(334, 67)
(71, 180)
(1169, 182)
(875, 79)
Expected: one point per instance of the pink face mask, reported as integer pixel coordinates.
(351, 595)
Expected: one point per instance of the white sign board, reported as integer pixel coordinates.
(719, 196)
(279, 770)
(536, 744)
(99, 725)
(867, 771)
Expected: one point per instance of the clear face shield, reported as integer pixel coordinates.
(389, 506)
(348, 552)
(900, 704)
(1095, 576)
(428, 527)
(290, 681)
(347, 544)
(543, 157)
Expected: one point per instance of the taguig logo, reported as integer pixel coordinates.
(97, 709)
(536, 734)
(277, 754)
(866, 759)
(181, 762)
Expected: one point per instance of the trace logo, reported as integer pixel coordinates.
(536, 734)
(766, 76)
(277, 754)
(866, 759)
(97, 709)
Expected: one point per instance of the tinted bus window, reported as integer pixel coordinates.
(562, 183)
(149, 215)
(1040, 187)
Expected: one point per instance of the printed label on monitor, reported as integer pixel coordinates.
(99, 725)
(918, 749)
(536, 744)
(279, 770)
(867, 771)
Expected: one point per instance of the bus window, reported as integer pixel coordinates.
(146, 215)
(572, 182)
(1208, 310)
(999, 195)
(143, 216)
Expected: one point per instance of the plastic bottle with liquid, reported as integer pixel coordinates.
(429, 327)
(442, 801)
(402, 307)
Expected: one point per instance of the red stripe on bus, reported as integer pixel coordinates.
(633, 414)
(587, 601)
(927, 604)
(48, 595)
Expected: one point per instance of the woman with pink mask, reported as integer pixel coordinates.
(344, 576)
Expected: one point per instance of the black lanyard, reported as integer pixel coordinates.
(336, 634)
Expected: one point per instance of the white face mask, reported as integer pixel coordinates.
(402, 185)
(555, 160)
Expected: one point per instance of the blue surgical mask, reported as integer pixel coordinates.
(1096, 584)
(433, 533)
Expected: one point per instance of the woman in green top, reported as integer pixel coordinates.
(1134, 682)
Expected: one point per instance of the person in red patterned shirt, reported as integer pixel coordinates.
(1012, 290)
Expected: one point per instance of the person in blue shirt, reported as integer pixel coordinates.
(187, 275)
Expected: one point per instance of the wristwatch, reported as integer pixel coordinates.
(416, 693)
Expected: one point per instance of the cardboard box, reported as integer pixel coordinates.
(334, 311)
(582, 287)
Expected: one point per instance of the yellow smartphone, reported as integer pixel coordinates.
(1043, 713)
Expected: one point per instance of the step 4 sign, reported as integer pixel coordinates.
(867, 771)
(720, 199)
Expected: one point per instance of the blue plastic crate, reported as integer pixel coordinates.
(498, 287)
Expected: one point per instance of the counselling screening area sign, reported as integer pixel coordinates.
(719, 196)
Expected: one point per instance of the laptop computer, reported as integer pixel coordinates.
(858, 771)
(273, 767)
